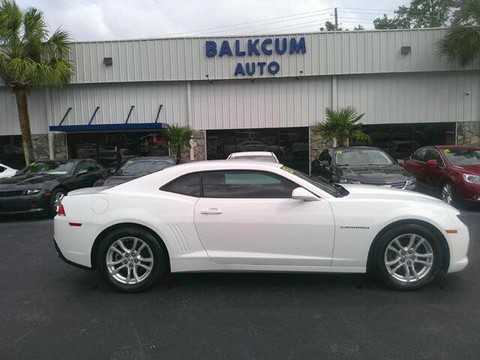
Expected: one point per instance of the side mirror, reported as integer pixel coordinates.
(303, 194)
(432, 162)
(82, 172)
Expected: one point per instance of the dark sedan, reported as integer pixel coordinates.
(39, 187)
(361, 165)
(137, 167)
(453, 172)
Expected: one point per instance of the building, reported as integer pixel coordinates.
(249, 93)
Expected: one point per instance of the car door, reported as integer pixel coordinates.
(249, 218)
(416, 165)
(322, 167)
(86, 174)
(434, 175)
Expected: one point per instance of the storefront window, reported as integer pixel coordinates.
(401, 140)
(11, 151)
(113, 149)
(290, 145)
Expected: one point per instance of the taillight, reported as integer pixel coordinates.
(61, 211)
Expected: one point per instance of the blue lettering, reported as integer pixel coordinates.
(239, 70)
(273, 67)
(252, 47)
(248, 70)
(225, 49)
(265, 43)
(297, 47)
(238, 51)
(278, 50)
(210, 48)
(261, 65)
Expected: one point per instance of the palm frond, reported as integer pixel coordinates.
(461, 44)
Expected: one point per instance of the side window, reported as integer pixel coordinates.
(325, 157)
(2, 169)
(185, 185)
(433, 154)
(86, 165)
(419, 155)
(246, 184)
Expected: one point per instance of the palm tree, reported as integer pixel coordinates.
(462, 42)
(29, 59)
(178, 138)
(340, 126)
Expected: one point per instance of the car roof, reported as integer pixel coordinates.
(457, 147)
(252, 153)
(355, 148)
(152, 158)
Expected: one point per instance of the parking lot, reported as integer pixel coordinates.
(51, 310)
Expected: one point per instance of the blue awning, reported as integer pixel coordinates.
(108, 127)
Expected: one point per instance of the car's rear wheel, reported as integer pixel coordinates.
(55, 200)
(131, 259)
(407, 257)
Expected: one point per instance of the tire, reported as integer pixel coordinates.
(125, 267)
(411, 247)
(55, 198)
(447, 193)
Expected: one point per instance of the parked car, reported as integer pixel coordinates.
(254, 156)
(6, 171)
(361, 165)
(250, 216)
(137, 167)
(114, 159)
(453, 172)
(39, 187)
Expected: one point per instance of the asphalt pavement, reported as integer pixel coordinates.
(51, 310)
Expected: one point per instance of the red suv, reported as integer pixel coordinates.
(453, 171)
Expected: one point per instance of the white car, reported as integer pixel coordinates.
(253, 156)
(251, 216)
(6, 172)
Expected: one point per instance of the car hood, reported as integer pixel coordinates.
(468, 169)
(26, 181)
(369, 192)
(374, 174)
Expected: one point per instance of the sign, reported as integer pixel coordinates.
(255, 47)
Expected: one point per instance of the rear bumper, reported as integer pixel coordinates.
(60, 255)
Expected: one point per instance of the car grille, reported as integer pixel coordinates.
(4, 194)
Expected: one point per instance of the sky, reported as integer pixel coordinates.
(93, 20)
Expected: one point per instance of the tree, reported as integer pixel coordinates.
(329, 26)
(462, 42)
(29, 59)
(420, 14)
(178, 138)
(340, 126)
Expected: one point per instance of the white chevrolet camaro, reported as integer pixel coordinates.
(252, 216)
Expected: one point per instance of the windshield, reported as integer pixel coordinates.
(52, 168)
(462, 157)
(143, 167)
(336, 190)
(362, 157)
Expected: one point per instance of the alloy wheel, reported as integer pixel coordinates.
(129, 260)
(409, 258)
(447, 193)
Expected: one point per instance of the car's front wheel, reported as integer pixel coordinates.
(448, 193)
(131, 259)
(407, 257)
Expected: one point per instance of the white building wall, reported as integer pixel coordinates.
(259, 104)
(412, 98)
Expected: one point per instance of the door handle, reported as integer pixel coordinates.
(211, 211)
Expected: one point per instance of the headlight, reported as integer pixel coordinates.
(473, 179)
(348, 181)
(32, 191)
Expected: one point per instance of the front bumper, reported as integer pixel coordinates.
(24, 204)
